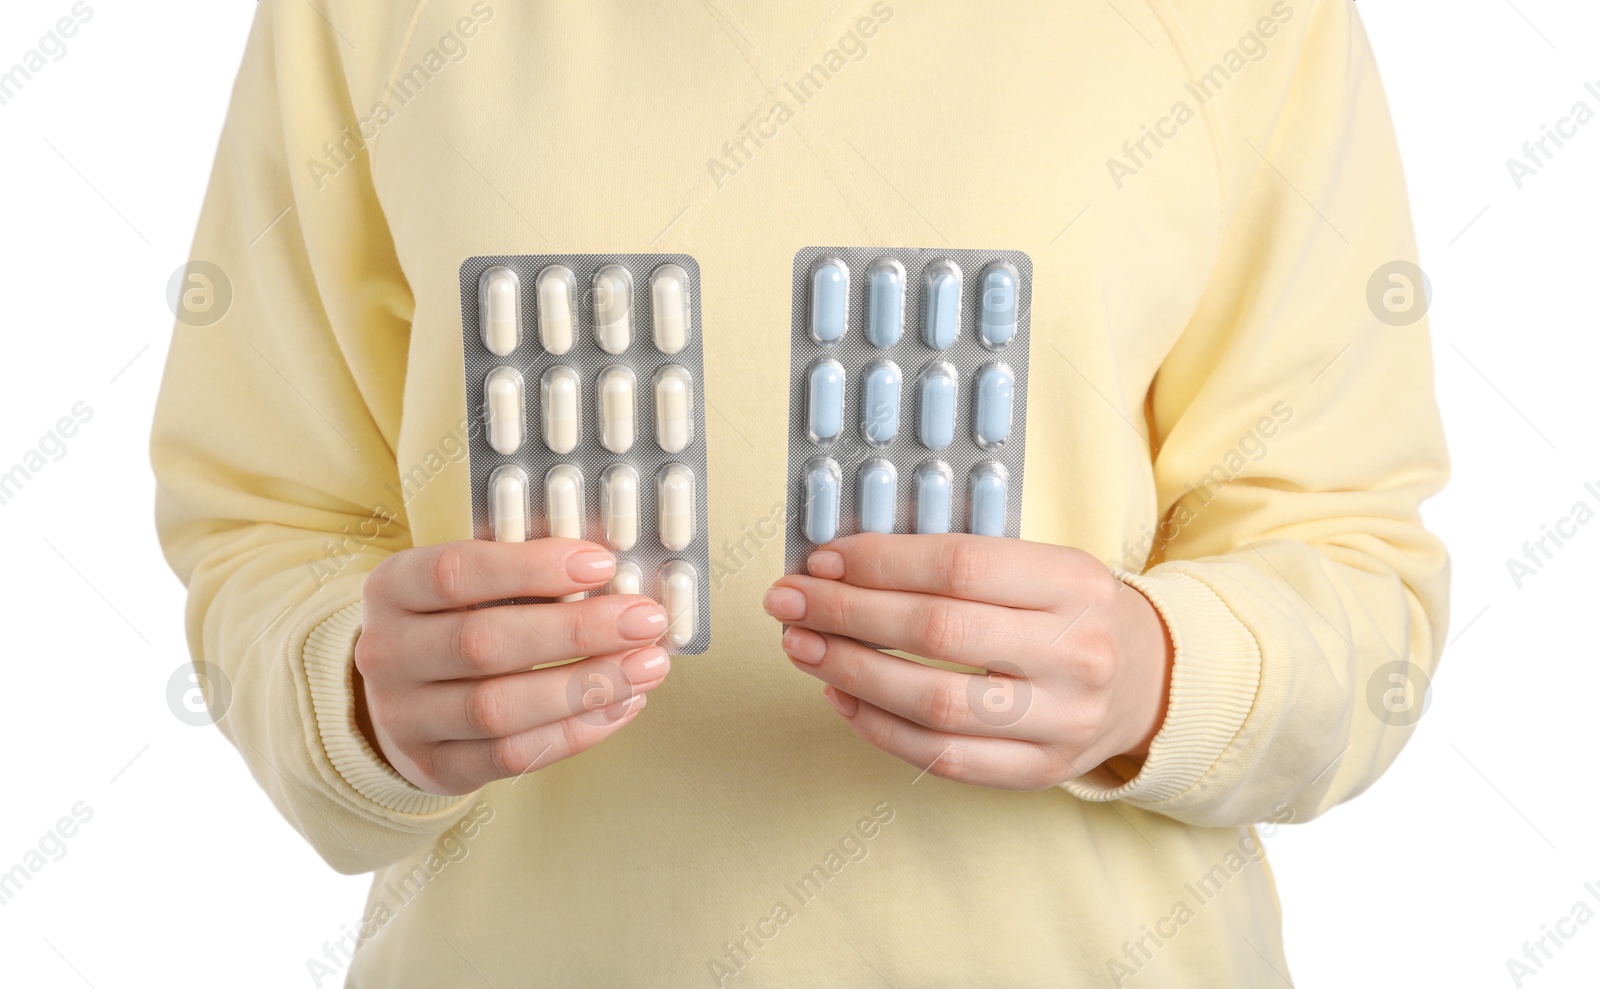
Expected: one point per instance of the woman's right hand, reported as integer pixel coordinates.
(450, 691)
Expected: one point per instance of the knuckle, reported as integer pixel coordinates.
(507, 755)
(476, 641)
(489, 709)
(572, 736)
(448, 574)
(588, 626)
(948, 628)
(947, 708)
(951, 764)
(963, 567)
(1095, 667)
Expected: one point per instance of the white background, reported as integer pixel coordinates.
(1478, 839)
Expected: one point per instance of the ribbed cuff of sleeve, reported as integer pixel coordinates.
(1215, 673)
(329, 658)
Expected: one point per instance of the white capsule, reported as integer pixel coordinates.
(613, 308)
(674, 392)
(555, 285)
(616, 399)
(628, 580)
(619, 506)
(508, 504)
(500, 310)
(563, 501)
(503, 404)
(669, 308)
(558, 406)
(675, 507)
(678, 598)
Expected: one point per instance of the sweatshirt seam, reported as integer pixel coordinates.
(392, 75)
(1166, 19)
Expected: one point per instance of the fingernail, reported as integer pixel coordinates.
(825, 563)
(804, 645)
(785, 603)
(642, 621)
(591, 566)
(843, 703)
(646, 665)
(622, 709)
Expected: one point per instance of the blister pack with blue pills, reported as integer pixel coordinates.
(908, 372)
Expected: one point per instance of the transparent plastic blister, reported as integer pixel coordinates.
(587, 374)
(908, 394)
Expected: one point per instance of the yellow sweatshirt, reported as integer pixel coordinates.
(1209, 191)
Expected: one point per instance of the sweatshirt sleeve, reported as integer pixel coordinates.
(1297, 434)
(274, 435)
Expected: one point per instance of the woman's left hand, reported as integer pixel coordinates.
(1077, 661)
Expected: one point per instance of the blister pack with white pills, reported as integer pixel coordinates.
(908, 400)
(586, 372)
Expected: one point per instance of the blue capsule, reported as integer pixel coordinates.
(830, 294)
(991, 412)
(821, 516)
(936, 406)
(997, 321)
(876, 505)
(886, 303)
(880, 403)
(941, 304)
(825, 401)
(987, 500)
(931, 491)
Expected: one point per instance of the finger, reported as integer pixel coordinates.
(463, 766)
(511, 638)
(1008, 572)
(992, 705)
(495, 707)
(1002, 763)
(466, 572)
(929, 625)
